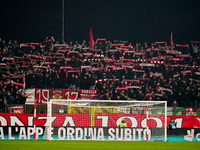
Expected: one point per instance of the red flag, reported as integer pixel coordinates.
(91, 39)
(171, 41)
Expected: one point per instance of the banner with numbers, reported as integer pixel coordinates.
(44, 95)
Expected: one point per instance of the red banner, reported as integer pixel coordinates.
(44, 95)
(100, 120)
(88, 94)
(132, 120)
(15, 109)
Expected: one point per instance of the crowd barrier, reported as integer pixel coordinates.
(16, 126)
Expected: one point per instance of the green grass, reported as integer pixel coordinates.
(96, 145)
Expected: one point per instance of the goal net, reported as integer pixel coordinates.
(106, 120)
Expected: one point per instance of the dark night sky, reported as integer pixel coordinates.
(132, 20)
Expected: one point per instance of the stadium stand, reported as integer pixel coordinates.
(118, 70)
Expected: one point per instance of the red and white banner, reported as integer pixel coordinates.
(88, 94)
(186, 71)
(15, 109)
(30, 94)
(100, 120)
(42, 96)
(165, 89)
(156, 74)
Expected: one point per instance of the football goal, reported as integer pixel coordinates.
(106, 120)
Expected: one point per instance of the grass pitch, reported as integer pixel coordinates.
(96, 145)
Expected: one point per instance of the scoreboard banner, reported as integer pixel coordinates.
(43, 96)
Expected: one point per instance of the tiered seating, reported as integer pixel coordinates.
(117, 70)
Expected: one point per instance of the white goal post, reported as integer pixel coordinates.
(100, 120)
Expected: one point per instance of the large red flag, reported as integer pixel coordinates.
(171, 41)
(91, 39)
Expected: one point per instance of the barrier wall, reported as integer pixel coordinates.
(15, 126)
(136, 134)
(18, 122)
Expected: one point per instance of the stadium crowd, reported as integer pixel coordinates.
(119, 70)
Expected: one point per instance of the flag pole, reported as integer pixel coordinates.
(171, 40)
(147, 115)
(63, 21)
(34, 119)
